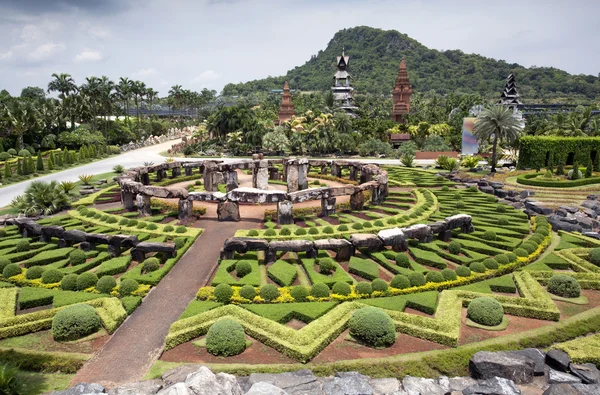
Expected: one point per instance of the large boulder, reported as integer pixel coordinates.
(293, 383)
(291, 245)
(486, 365)
(175, 389)
(350, 383)
(587, 372)
(205, 382)
(493, 386)
(419, 386)
(558, 359)
(368, 241)
(82, 389)
(537, 356)
(149, 387)
(395, 238)
(263, 388)
(556, 377)
(573, 389)
(228, 211)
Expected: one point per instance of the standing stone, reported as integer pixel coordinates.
(328, 206)
(302, 174)
(353, 173)
(185, 209)
(145, 178)
(127, 199)
(176, 172)
(365, 175)
(357, 200)
(143, 203)
(188, 171)
(292, 177)
(324, 169)
(228, 211)
(284, 213)
(231, 180)
(260, 175)
(336, 170)
(376, 197)
(159, 175)
(274, 174)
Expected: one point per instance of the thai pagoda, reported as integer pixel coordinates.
(342, 91)
(286, 109)
(510, 96)
(401, 94)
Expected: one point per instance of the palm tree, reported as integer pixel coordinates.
(41, 198)
(20, 116)
(498, 123)
(123, 89)
(62, 83)
(138, 88)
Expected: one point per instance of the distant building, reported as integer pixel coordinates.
(286, 109)
(401, 94)
(343, 96)
(510, 96)
(396, 139)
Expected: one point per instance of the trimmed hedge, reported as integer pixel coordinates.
(564, 286)
(535, 180)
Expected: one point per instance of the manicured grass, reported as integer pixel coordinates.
(364, 268)
(39, 383)
(283, 313)
(197, 307)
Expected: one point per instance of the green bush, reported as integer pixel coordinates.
(400, 282)
(594, 256)
(127, 286)
(130, 303)
(168, 228)
(529, 246)
(392, 221)
(342, 228)
(434, 277)
(223, 293)
(502, 259)
(123, 221)
(521, 252)
(247, 291)
(300, 232)
(150, 265)
(180, 229)
(379, 285)
(326, 266)
(225, 338)
(243, 268)
(378, 223)
(463, 271)
(22, 246)
(24, 153)
(77, 257)
(141, 225)
(341, 288)
(364, 288)
(299, 293)
(416, 279)
(511, 257)
(328, 230)
(4, 156)
(357, 226)
(449, 274)
(454, 247)
(75, 322)
(268, 292)
(373, 327)
(472, 189)
(460, 204)
(313, 231)
(285, 232)
(270, 232)
(34, 272)
(477, 267)
(402, 260)
(485, 311)
(319, 290)
(503, 222)
(113, 220)
(564, 285)
(69, 282)
(11, 269)
(489, 235)
(86, 280)
(179, 242)
(542, 231)
(490, 263)
(253, 233)
(367, 225)
(132, 222)
(12, 151)
(500, 208)
(3, 263)
(106, 284)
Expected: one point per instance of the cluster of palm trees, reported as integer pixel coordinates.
(180, 98)
(578, 123)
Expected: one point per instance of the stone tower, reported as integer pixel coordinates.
(401, 94)
(343, 95)
(286, 109)
(510, 96)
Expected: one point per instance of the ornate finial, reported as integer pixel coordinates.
(343, 48)
(402, 65)
(286, 86)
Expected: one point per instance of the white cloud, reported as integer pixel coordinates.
(30, 33)
(88, 56)
(5, 55)
(45, 51)
(206, 76)
(142, 73)
(93, 30)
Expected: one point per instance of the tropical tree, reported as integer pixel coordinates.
(499, 124)
(62, 83)
(123, 93)
(41, 198)
(20, 117)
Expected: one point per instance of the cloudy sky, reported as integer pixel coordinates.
(209, 43)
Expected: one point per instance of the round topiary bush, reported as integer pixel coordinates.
(22, 246)
(5, 156)
(502, 259)
(373, 327)
(357, 226)
(463, 271)
(319, 290)
(565, 286)
(300, 232)
(141, 225)
(180, 229)
(225, 338)
(270, 232)
(503, 221)
(326, 266)
(328, 230)
(537, 238)
(52, 276)
(3, 263)
(268, 292)
(490, 263)
(542, 230)
(595, 256)
(454, 247)
(521, 252)
(75, 322)
(24, 153)
(341, 288)
(34, 272)
(179, 242)
(300, 293)
(364, 288)
(12, 269)
(491, 199)
(343, 228)
(69, 282)
(248, 292)
(402, 260)
(12, 151)
(392, 221)
(489, 235)
(378, 223)
(168, 228)
(313, 231)
(86, 280)
(150, 265)
(367, 225)
(132, 222)
(285, 232)
(501, 208)
(416, 279)
(243, 268)
(445, 188)
(477, 267)
(223, 293)
(460, 204)
(511, 257)
(570, 175)
(449, 274)
(106, 284)
(77, 257)
(123, 221)
(434, 277)
(529, 246)
(379, 285)
(485, 311)
(400, 282)
(127, 286)
(253, 233)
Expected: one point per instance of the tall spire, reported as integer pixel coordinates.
(286, 109)
(401, 94)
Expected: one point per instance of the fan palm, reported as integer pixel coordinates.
(41, 198)
(498, 123)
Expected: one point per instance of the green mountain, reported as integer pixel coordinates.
(375, 55)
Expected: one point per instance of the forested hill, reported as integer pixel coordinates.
(375, 55)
